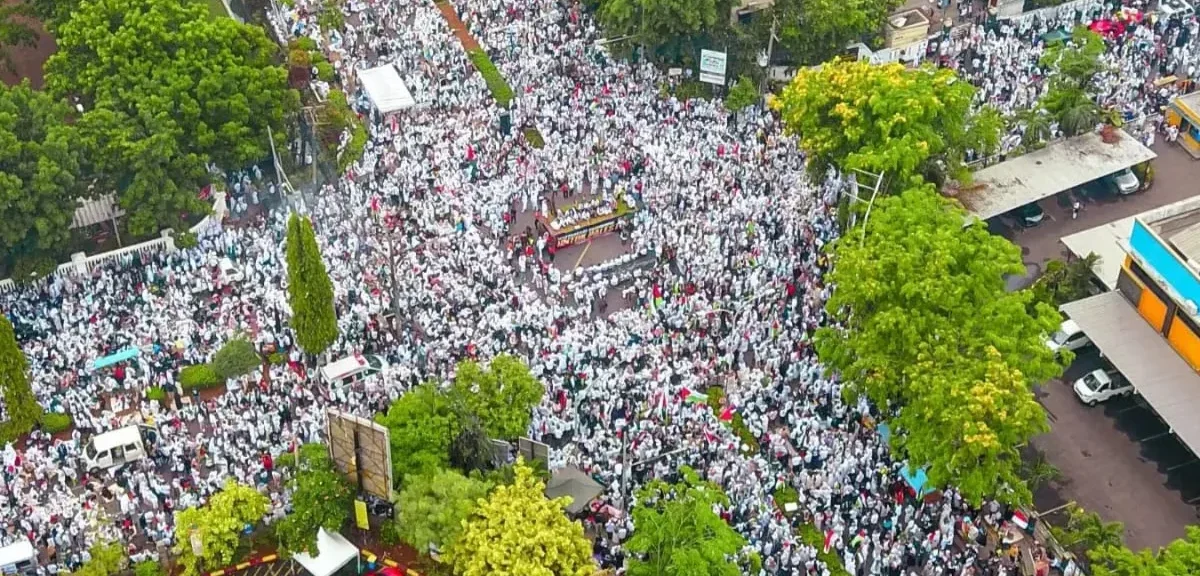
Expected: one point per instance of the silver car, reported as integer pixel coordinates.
(1126, 182)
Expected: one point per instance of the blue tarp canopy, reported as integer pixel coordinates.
(114, 358)
(917, 480)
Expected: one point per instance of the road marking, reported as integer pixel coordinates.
(582, 254)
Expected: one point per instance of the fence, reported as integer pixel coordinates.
(82, 264)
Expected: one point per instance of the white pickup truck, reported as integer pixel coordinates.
(1100, 385)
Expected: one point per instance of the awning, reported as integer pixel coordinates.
(333, 552)
(386, 89)
(572, 482)
(114, 358)
(1154, 369)
(95, 211)
(1058, 167)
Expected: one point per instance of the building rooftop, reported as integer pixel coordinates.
(1058, 167)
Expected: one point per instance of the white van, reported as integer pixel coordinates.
(116, 448)
(229, 271)
(1100, 385)
(352, 369)
(18, 558)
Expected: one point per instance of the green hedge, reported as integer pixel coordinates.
(500, 89)
(54, 422)
(715, 395)
(534, 138)
(786, 495)
(199, 377)
(156, 393)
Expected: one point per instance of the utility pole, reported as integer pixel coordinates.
(766, 63)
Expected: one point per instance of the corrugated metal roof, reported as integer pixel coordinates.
(1056, 168)
(95, 211)
(1158, 373)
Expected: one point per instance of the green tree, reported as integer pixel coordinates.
(39, 171)
(517, 531)
(310, 292)
(813, 31)
(655, 23)
(502, 397)
(421, 424)
(912, 125)
(216, 526)
(1074, 67)
(472, 449)
(1086, 530)
(172, 91)
(1035, 124)
(920, 304)
(321, 498)
(743, 94)
(676, 530)
(237, 357)
(15, 31)
(432, 507)
(1063, 282)
(52, 12)
(108, 559)
(19, 402)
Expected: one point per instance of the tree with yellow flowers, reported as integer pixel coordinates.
(517, 531)
(912, 125)
(207, 537)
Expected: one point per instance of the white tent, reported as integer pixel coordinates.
(333, 552)
(386, 89)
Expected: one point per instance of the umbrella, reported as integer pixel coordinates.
(573, 483)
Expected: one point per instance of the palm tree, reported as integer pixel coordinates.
(14, 31)
(1036, 124)
(1081, 116)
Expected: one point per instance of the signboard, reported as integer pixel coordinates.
(361, 449)
(533, 450)
(712, 67)
(360, 515)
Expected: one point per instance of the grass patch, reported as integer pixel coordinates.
(499, 88)
(534, 138)
(813, 537)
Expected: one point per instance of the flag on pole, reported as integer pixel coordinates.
(695, 397)
(727, 413)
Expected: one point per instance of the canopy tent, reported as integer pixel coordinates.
(114, 358)
(572, 482)
(386, 89)
(333, 552)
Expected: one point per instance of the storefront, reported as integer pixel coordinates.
(1184, 114)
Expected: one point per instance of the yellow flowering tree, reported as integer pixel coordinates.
(517, 531)
(926, 330)
(207, 537)
(911, 124)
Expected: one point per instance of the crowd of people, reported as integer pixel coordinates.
(432, 261)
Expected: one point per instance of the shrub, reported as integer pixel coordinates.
(745, 435)
(156, 393)
(185, 240)
(55, 422)
(813, 537)
(496, 84)
(354, 148)
(32, 267)
(534, 138)
(785, 495)
(147, 568)
(325, 71)
(303, 43)
(199, 377)
(277, 358)
(237, 357)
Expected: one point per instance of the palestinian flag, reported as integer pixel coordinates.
(695, 397)
(1020, 520)
(726, 414)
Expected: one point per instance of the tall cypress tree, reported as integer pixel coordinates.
(22, 407)
(310, 292)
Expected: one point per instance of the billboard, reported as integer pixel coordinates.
(1157, 257)
(361, 449)
(712, 67)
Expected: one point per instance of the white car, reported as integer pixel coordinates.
(1069, 337)
(1126, 182)
(1100, 385)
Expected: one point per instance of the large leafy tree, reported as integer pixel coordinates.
(39, 171)
(432, 507)
(922, 313)
(20, 405)
(517, 531)
(321, 498)
(677, 530)
(52, 12)
(813, 31)
(658, 22)
(175, 90)
(108, 559)
(421, 425)
(310, 292)
(909, 124)
(237, 357)
(1181, 556)
(216, 526)
(502, 396)
(1074, 68)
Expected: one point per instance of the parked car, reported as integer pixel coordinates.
(1100, 385)
(1029, 215)
(1069, 336)
(1125, 182)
